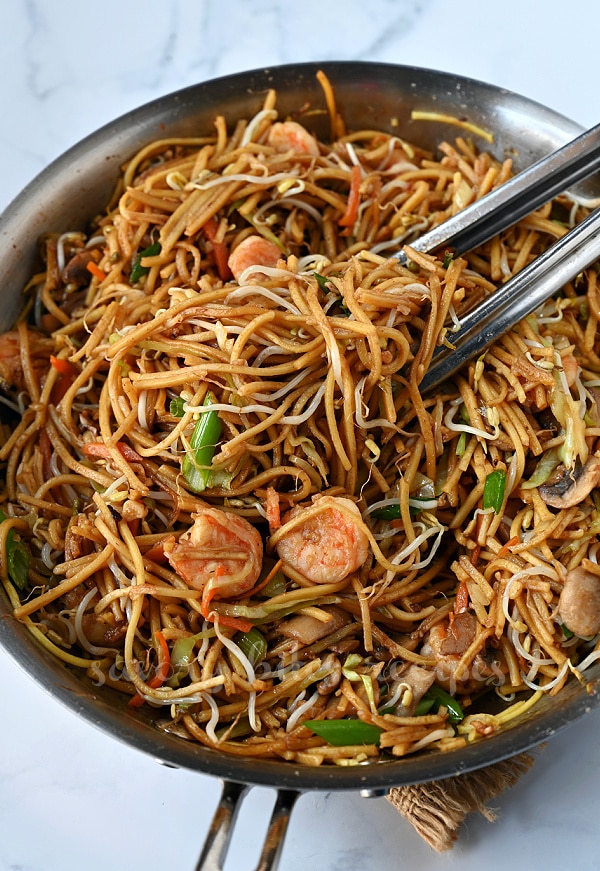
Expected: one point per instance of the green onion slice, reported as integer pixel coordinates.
(196, 463)
(493, 490)
(321, 281)
(137, 269)
(176, 407)
(17, 558)
(434, 698)
(253, 644)
(340, 733)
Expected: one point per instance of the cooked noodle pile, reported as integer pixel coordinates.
(226, 497)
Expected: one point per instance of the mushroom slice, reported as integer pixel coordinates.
(307, 629)
(573, 486)
(579, 602)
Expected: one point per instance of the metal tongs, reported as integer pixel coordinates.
(512, 302)
(529, 288)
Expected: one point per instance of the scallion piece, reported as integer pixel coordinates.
(137, 270)
(448, 258)
(493, 490)
(461, 444)
(321, 281)
(424, 706)
(181, 656)
(17, 558)
(387, 512)
(176, 407)
(392, 511)
(196, 463)
(340, 733)
(438, 697)
(253, 644)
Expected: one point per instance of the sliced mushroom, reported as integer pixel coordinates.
(103, 629)
(307, 629)
(416, 680)
(332, 681)
(579, 602)
(460, 635)
(76, 271)
(573, 486)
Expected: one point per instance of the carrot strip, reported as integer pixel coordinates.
(351, 213)
(67, 374)
(164, 658)
(97, 450)
(65, 367)
(95, 270)
(220, 248)
(461, 603)
(238, 623)
(506, 548)
(156, 554)
(273, 509)
(162, 672)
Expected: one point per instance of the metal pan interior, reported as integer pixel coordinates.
(77, 186)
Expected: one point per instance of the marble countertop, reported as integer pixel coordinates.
(72, 797)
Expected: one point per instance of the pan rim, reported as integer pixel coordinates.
(63, 685)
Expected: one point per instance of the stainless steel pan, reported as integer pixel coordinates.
(78, 185)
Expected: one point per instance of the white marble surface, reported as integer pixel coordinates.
(71, 797)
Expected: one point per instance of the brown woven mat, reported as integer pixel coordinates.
(437, 810)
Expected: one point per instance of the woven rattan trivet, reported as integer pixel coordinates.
(437, 809)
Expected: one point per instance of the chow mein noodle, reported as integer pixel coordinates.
(225, 496)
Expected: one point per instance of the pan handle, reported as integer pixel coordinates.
(221, 829)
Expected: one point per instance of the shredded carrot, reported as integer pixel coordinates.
(351, 213)
(164, 659)
(209, 594)
(221, 253)
(95, 270)
(238, 623)
(506, 548)
(475, 554)
(462, 598)
(134, 526)
(156, 554)
(97, 450)
(67, 373)
(162, 672)
(65, 367)
(273, 509)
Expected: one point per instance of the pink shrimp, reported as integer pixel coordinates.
(253, 251)
(291, 136)
(328, 545)
(446, 643)
(221, 554)
(11, 369)
(570, 367)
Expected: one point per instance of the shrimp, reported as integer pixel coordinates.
(11, 369)
(291, 136)
(328, 544)
(253, 251)
(446, 643)
(221, 554)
